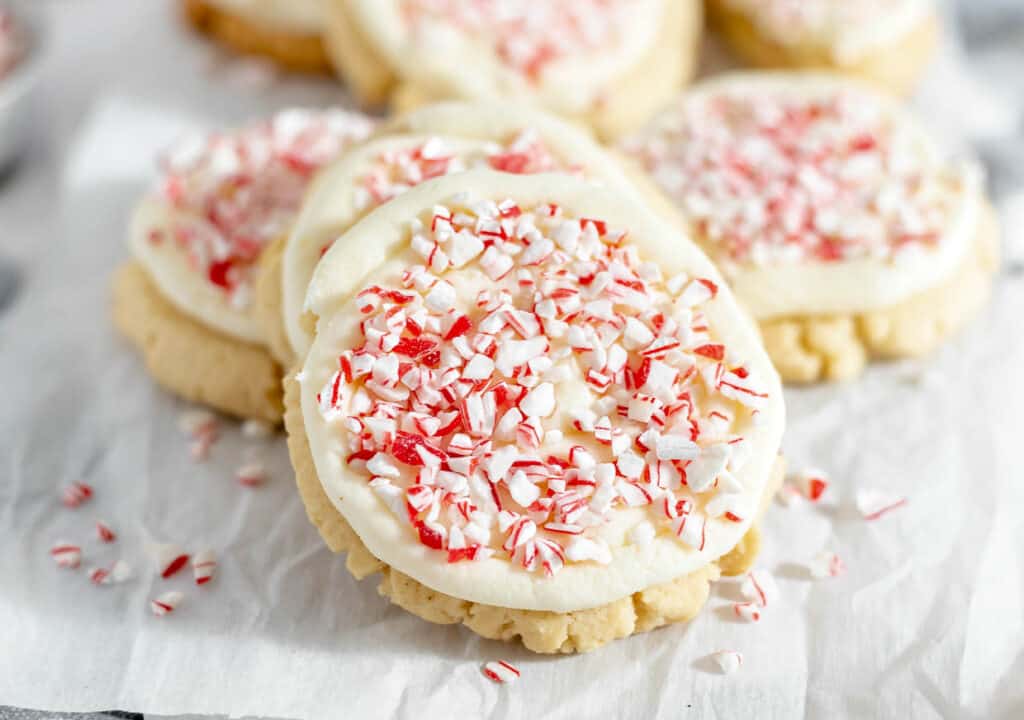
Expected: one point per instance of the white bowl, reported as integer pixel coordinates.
(18, 86)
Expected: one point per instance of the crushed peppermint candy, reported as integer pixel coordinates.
(812, 483)
(528, 36)
(166, 603)
(782, 176)
(826, 564)
(760, 588)
(169, 559)
(501, 672)
(232, 193)
(397, 170)
(12, 42)
(749, 611)
(119, 572)
(204, 563)
(873, 504)
(456, 411)
(104, 532)
(66, 555)
(812, 21)
(728, 661)
(251, 474)
(75, 494)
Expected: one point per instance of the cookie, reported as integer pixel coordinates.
(535, 408)
(885, 42)
(607, 63)
(839, 222)
(439, 140)
(288, 32)
(200, 235)
(191, 360)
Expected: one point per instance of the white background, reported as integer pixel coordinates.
(928, 622)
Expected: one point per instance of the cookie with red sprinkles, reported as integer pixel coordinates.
(838, 219)
(186, 300)
(607, 63)
(530, 401)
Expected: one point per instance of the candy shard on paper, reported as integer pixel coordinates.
(104, 533)
(170, 559)
(204, 563)
(252, 474)
(873, 504)
(75, 494)
(66, 555)
(826, 564)
(812, 483)
(748, 611)
(166, 603)
(501, 672)
(728, 661)
(760, 588)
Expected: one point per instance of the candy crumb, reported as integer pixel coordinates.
(826, 564)
(166, 603)
(251, 474)
(104, 533)
(66, 555)
(728, 661)
(170, 559)
(204, 563)
(75, 494)
(759, 587)
(873, 504)
(501, 672)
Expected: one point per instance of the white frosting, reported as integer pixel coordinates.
(299, 16)
(779, 286)
(375, 251)
(250, 177)
(439, 56)
(849, 29)
(468, 129)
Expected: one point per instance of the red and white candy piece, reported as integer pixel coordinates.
(66, 555)
(760, 588)
(104, 532)
(166, 603)
(204, 563)
(826, 564)
(169, 559)
(728, 661)
(501, 672)
(873, 504)
(75, 494)
(251, 474)
(748, 611)
(812, 483)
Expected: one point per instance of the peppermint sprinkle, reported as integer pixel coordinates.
(873, 504)
(204, 563)
(826, 564)
(170, 559)
(728, 661)
(66, 555)
(501, 672)
(75, 494)
(166, 603)
(759, 587)
(104, 533)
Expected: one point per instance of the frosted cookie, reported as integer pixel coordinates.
(437, 140)
(835, 217)
(887, 42)
(556, 434)
(607, 63)
(197, 240)
(289, 32)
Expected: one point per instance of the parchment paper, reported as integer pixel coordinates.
(927, 622)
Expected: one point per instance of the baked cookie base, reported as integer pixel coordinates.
(268, 299)
(298, 52)
(895, 67)
(540, 631)
(192, 360)
(812, 348)
(624, 106)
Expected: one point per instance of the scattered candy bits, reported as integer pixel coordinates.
(873, 504)
(760, 588)
(66, 555)
(501, 672)
(75, 494)
(104, 533)
(251, 474)
(826, 564)
(170, 559)
(204, 563)
(728, 661)
(166, 603)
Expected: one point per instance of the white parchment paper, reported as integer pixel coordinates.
(927, 622)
